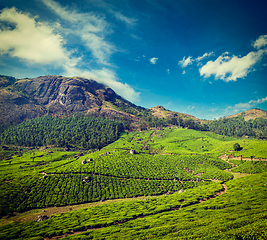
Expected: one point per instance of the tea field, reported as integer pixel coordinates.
(178, 170)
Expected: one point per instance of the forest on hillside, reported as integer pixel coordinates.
(94, 131)
(238, 127)
(80, 131)
(87, 131)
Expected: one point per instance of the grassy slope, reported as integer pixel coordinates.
(191, 152)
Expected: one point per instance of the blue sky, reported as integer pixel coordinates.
(207, 58)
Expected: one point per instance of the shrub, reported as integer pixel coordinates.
(237, 147)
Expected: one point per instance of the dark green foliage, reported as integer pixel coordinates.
(237, 147)
(78, 131)
(239, 127)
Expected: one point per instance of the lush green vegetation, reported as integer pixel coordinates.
(112, 173)
(239, 127)
(169, 160)
(240, 213)
(108, 214)
(144, 166)
(79, 131)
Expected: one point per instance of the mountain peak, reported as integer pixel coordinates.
(66, 94)
(158, 108)
(34, 97)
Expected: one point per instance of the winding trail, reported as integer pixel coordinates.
(224, 190)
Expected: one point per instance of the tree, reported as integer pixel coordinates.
(237, 147)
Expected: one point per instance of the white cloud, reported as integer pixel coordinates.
(229, 68)
(135, 37)
(90, 28)
(37, 42)
(168, 71)
(205, 55)
(245, 106)
(190, 107)
(185, 62)
(153, 60)
(128, 21)
(260, 42)
(100, 49)
(30, 40)
(188, 61)
(89, 21)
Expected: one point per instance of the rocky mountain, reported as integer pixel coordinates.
(22, 99)
(33, 97)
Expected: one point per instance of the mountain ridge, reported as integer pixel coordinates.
(27, 98)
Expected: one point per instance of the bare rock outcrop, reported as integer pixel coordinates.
(70, 94)
(35, 97)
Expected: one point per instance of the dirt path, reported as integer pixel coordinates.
(224, 190)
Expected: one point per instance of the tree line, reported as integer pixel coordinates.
(95, 131)
(238, 127)
(89, 132)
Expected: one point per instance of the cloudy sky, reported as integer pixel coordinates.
(206, 58)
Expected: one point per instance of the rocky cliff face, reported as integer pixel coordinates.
(16, 107)
(67, 94)
(29, 98)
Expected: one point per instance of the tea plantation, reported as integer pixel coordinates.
(178, 170)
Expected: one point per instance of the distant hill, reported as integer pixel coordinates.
(250, 114)
(251, 123)
(161, 112)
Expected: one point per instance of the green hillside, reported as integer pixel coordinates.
(175, 168)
